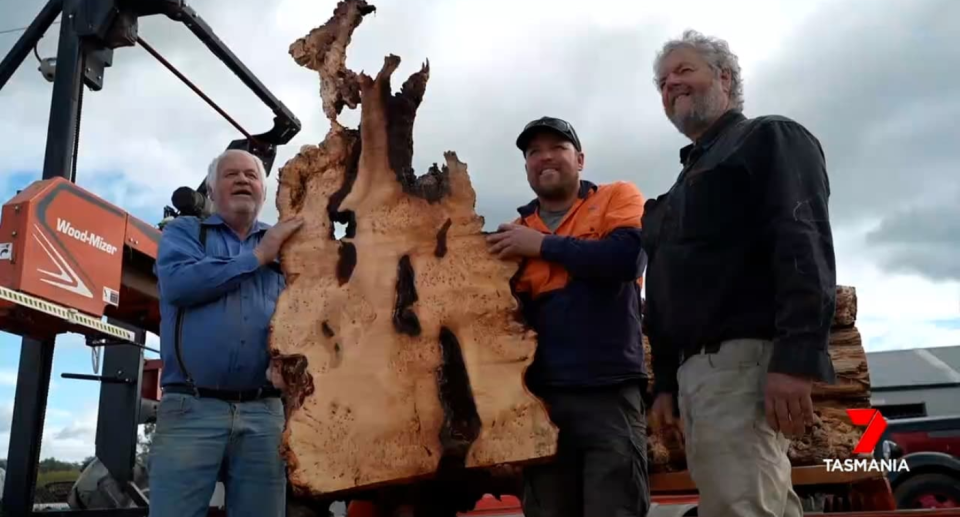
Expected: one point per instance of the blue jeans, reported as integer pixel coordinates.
(199, 441)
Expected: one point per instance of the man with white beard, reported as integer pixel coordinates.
(740, 284)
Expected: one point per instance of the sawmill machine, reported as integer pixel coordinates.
(72, 262)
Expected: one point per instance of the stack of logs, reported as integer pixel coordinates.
(833, 436)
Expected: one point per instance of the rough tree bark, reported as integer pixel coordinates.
(399, 343)
(833, 436)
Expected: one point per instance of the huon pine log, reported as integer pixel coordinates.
(400, 341)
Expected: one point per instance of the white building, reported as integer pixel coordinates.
(916, 383)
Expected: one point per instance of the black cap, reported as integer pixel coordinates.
(559, 126)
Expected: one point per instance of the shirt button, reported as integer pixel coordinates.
(243, 341)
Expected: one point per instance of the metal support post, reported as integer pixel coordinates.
(117, 428)
(36, 357)
(64, 127)
(26, 428)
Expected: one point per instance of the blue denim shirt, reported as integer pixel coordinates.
(228, 301)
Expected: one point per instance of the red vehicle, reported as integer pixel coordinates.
(822, 492)
(931, 448)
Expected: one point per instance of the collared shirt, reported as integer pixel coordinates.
(227, 299)
(741, 247)
(582, 295)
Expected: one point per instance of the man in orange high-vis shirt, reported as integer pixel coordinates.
(579, 245)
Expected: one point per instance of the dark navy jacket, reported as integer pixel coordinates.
(741, 247)
(582, 296)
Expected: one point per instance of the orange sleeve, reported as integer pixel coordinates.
(625, 208)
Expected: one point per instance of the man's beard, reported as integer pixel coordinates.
(559, 191)
(705, 110)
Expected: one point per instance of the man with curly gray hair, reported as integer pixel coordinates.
(741, 284)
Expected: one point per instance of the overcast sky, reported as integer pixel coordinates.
(874, 80)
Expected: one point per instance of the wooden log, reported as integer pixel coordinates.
(399, 343)
(846, 350)
(850, 362)
(833, 436)
(845, 314)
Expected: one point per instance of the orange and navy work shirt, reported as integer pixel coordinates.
(582, 295)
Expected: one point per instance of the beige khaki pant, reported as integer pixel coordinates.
(737, 461)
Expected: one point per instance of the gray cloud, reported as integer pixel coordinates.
(878, 89)
(924, 239)
(74, 431)
(875, 82)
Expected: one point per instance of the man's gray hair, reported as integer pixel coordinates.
(716, 52)
(214, 168)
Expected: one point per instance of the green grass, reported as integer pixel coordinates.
(55, 476)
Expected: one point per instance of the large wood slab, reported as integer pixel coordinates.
(399, 342)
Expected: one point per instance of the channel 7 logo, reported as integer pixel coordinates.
(876, 425)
